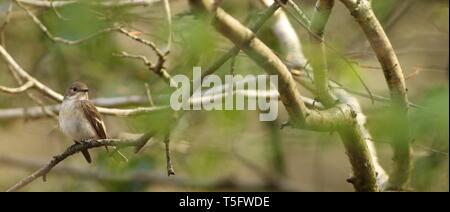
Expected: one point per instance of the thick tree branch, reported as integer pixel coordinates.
(42, 172)
(360, 150)
(300, 115)
(263, 56)
(254, 27)
(362, 12)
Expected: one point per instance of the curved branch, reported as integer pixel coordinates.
(254, 27)
(42, 172)
(59, 39)
(58, 97)
(362, 12)
(24, 75)
(20, 89)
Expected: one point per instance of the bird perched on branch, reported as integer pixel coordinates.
(80, 120)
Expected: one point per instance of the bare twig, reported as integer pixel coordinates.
(150, 44)
(170, 170)
(169, 23)
(149, 95)
(78, 147)
(24, 75)
(20, 89)
(158, 68)
(138, 57)
(56, 38)
(55, 10)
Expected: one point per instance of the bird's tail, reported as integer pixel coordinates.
(86, 155)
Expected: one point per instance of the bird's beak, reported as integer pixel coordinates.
(84, 90)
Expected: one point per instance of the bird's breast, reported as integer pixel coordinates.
(73, 122)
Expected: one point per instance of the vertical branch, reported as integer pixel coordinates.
(360, 150)
(170, 170)
(317, 51)
(276, 148)
(169, 22)
(362, 12)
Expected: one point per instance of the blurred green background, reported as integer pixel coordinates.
(219, 150)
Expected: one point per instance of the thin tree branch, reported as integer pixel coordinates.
(150, 44)
(170, 170)
(149, 95)
(24, 75)
(59, 39)
(39, 111)
(306, 82)
(158, 68)
(58, 97)
(11, 69)
(78, 147)
(20, 89)
(169, 23)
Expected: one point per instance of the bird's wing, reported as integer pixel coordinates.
(94, 117)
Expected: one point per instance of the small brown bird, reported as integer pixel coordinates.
(80, 120)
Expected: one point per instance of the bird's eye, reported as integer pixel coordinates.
(74, 89)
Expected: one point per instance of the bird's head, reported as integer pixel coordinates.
(77, 91)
